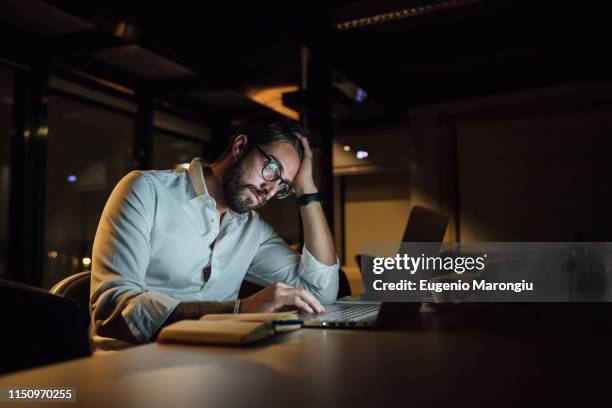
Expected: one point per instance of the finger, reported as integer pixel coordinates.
(303, 305)
(320, 307)
(280, 291)
(296, 300)
(287, 294)
(308, 298)
(306, 144)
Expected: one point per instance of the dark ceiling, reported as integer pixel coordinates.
(403, 53)
(470, 49)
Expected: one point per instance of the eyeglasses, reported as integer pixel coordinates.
(271, 171)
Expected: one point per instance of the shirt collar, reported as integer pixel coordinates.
(196, 175)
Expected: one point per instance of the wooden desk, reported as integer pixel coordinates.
(321, 368)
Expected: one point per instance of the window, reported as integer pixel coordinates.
(169, 150)
(6, 114)
(89, 151)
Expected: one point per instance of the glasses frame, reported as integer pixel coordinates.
(280, 174)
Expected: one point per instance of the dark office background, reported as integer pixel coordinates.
(497, 113)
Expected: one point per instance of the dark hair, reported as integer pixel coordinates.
(266, 131)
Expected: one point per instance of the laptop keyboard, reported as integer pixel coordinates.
(353, 313)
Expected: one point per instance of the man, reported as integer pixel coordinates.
(177, 244)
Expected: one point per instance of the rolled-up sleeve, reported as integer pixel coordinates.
(275, 261)
(121, 306)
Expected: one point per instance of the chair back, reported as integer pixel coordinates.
(38, 328)
(76, 287)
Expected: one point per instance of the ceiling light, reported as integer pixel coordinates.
(361, 154)
(401, 14)
(361, 95)
(272, 97)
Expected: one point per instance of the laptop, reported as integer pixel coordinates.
(424, 225)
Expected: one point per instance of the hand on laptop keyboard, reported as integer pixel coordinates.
(279, 295)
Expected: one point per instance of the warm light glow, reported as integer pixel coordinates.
(272, 97)
(52, 254)
(86, 261)
(182, 166)
(347, 148)
(120, 29)
(109, 84)
(127, 31)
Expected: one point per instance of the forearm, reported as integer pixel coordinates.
(317, 236)
(125, 311)
(195, 310)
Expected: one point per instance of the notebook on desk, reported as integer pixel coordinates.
(229, 329)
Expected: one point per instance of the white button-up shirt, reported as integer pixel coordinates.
(154, 242)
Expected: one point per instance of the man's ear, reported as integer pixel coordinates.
(239, 145)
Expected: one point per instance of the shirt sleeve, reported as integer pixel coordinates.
(275, 261)
(121, 306)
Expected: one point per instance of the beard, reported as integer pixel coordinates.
(236, 190)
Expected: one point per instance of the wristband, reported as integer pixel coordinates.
(306, 199)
